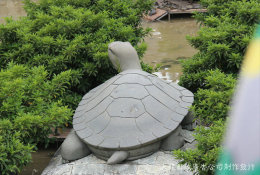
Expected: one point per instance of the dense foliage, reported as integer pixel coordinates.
(31, 101)
(211, 74)
(227, 29)
(211, 108)
(14, 154)
(73, 35)
(30, 106)
(212, 104)
(200, 159)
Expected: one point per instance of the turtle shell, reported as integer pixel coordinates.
(132, 109)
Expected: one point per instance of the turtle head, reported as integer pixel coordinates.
(123, 56)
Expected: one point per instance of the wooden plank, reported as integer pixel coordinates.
(162, 16)
(158, 15)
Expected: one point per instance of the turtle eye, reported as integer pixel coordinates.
(109, 49)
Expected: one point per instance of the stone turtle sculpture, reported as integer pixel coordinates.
(130, 116)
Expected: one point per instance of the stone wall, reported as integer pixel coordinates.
(11, 8)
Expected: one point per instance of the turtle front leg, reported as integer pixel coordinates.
(173, 141)
(73, 148)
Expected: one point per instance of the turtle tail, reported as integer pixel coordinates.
(117, 157)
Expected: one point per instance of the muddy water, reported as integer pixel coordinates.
(167, 45)
(40, 160)
(11, 8)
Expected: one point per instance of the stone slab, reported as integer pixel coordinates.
(161, 162)
(187, 135)
(192, 145)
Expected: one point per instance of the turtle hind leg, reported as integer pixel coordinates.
(73, 148)
(117, 157)
(173, 141)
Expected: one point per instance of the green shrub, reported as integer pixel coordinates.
(31, 102)
(211, 74)
(14, 155)
(73, 35)
(203, 158)
(30, 106)
(227, 29)
(212, 104)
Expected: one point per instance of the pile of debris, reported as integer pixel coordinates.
(169, 7)
(177, 4)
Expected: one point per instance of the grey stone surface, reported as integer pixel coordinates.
(120, 169)
(188, 99)
(84, 133)
(188, 122)
(173, 141)
(159, 163)
(192, 145)
(148, 124)
(182, 111)
(128, 142)
(98, 109)
(130, 90)
(99, 98)
(126, 108)
(98, 90)
(78, 114)
(123, 56)
(73, 142)
(94, 139)
(91, 92)
(99, 123)
(190, 126)
(165, 87)
(188, 119)
(93, 113)
(185, 104)
(110, 143)
(187, 135)
(135, 71)
(121, 128)
(161, 113)
(187, 93)
(83, 102)
(59, 170)
(117, 157)
(87, 169)
(176, 86)
(133, 79)
(162, 97)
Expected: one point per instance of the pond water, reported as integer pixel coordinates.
(11, 8)
(40, 160)
(167, 45)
